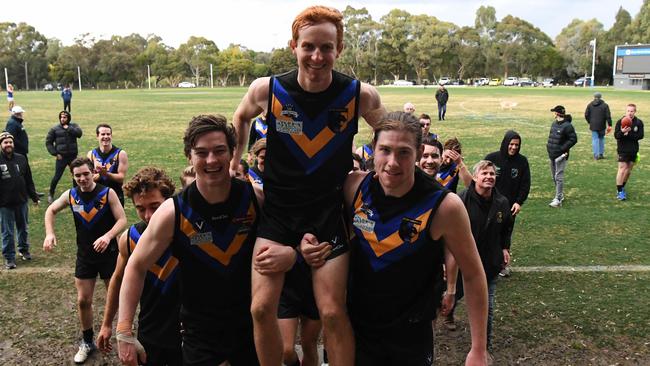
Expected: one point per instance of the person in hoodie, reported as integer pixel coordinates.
(597, 114)
(561, 138)
(513, 176)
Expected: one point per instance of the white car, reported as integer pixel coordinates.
(444, 80)
(511, 81)
(548, 83)
(402, 83)
(186, 84)
(483, 81)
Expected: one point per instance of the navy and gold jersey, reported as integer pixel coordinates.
(448, 176)
(111, 161)
(255, 176)
(366, 153)
(214, 246)
(309, 141)
(158, 321)
(92, 218)
(258, 131)
(394, 262)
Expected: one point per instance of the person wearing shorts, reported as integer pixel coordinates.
(312, 116)
(98, 218)
(627, 147)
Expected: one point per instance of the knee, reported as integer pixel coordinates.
(84, 302)
(289, 352)
(263, 311)
(332, 314)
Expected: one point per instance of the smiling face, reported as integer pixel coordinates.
(261, 156)
(146, 203)
(485, 178)
(105, 137)
(316, 51)
(7, 146)
(211, 157)
(430, 160)
(513, 147)
(394, 158)
(83, 176)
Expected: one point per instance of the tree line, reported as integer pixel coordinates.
(399, 45)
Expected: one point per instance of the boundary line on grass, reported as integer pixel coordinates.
(528, 269)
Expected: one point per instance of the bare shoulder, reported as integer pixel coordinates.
(370, 106)
(258, 91)
(449, 216)
(352, 182)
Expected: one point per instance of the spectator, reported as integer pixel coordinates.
(16, 128)
(16, 185)
(61, 142)
(256, 172)
(442, 96)
(513, 176)
(431, 156)
(10, 96)
(560, 140)
(627, 146)
(597, 114)
(242, 170)
(357, 163)
(489, 216)
(409, 108)
(66, 94)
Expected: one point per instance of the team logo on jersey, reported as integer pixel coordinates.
(199, 224)
(289, 127)
(497, 170)
(336, 119)
(3, 167)
(289, 110)
(408, 229)
(499, 217)
(514, 172)
(366, 210)
(363, 224)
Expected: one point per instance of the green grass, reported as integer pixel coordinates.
(592, 228)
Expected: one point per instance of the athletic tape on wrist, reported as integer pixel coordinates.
(127, 338)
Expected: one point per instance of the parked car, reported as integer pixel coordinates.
(583, 81)
(402, 83)
(526, 82)
(48, 87)
(482, 81)
(186, 84)
(511, 81)
(444, 80)
(495, 82)
(548, 83)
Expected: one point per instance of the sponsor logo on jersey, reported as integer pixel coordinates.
(289, 127)
(363, 224)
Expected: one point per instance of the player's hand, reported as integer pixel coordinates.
(315, 253)
(625, 130)
(104, 339)
(101, 243)
(447, 303)
(515, 209)
(506, 257)
(477, 356)
(59, 157)
(454, 156)
(609, 129)
(49, 243)
(129, 353)
(274, 259)
(102, 171)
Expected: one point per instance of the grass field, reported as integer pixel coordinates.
(542, 318)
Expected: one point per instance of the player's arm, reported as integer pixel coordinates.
(451, 223)
(451, 271)
(251, 105)
(370, 106)
(123, 166)
(50, 238)
(103, 241)
(112, 295)
(152, 244)
(95, 174)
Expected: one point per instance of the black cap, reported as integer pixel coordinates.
(559, 109)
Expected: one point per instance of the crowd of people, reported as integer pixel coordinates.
(307, 234)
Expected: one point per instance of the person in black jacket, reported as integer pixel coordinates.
(16, 184)
(442, 96)
(597, 114)
(61, 142)
(627, 146)
(489, 216)
(513, 175)
(17, 130)
(560, 140)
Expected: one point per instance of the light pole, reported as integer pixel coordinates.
(593, 61)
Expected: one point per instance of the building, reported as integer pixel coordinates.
(632, 67)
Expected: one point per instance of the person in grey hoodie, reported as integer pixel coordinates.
(597, 114)
(560, 140)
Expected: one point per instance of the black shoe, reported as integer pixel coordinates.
(40, 194)
(10, 264)
(25, 256)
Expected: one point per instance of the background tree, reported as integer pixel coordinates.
(640, 26)
(607, 42)
(198, 53)
(20, 45)
(360, 39)
(573, 45)
(393, 42)
(282, 60)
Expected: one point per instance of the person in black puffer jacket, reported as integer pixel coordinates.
(61, 142)
(560, 140)
(627, 146)
(599, 119)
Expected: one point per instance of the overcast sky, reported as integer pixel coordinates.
(262, 25)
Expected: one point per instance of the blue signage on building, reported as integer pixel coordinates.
(633, 52)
